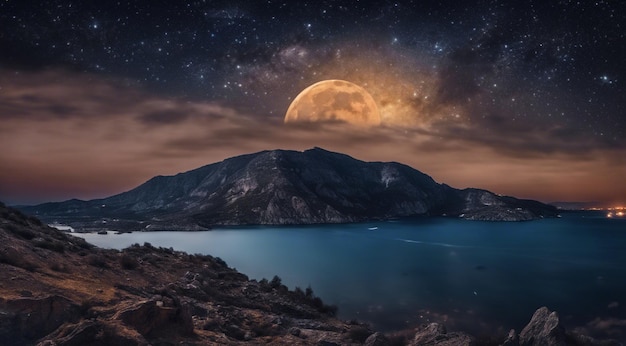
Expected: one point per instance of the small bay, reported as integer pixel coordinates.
(480, 277)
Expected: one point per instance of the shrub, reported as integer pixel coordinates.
(15, 259)
(211, 324)
(59, 267)
(86, 307)
(359, 334)
(309, 298)
(20, 232)
(169, 250)
(98, 260)
(82, 243)
(151, 258)
(128, 262)
(494, 340)
(398, 340)
(330, 310)
(17, 217)
(265, 329)
(220, 262)
(49, 245)
(201, 258)
(34, 220)
(299, 293)
(276, 282)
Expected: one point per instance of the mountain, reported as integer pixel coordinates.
(286, 187)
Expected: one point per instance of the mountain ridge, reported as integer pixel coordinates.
(286, 187)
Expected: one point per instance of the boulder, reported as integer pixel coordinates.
(511, 339)
(294, 331)
(92, 332)
(377, 339)
(327, 343)
(429, 333)
(544, 328)
(31, 318)
(74, 334)
(150, 319)
(435, 334)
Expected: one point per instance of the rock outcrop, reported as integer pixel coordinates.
(544, 328)
(377, 339)
(512, 339)
(436, 334)
(286, 187)
(151, 318)
(36, 317)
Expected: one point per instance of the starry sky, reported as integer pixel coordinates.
(525, 98)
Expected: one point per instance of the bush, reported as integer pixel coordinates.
(276, 282)
(220, 262)
(98, 261)
(82, 244)
(359, 334)
(59, 267)
(399, 340)
(17, 217)
(49, 245)
(309, 298)
(21, 232)
(34, 220)
(11, 257)
(128, 262)
(265, 329)
(330, 310)
(493, 340)
(299, 293)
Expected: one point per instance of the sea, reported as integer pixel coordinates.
(484, 278)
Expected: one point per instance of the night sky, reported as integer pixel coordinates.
(525, 98)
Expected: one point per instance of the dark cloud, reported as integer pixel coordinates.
(527, 141)
(38, 107)
(164, 117)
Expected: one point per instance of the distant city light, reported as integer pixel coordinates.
(616, 212)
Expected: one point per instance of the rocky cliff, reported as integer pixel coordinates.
(286, 187)
(56, 289)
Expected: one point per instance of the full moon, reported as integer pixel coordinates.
(334, 100)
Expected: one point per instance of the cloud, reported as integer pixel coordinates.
(164, 117)
(75, 135)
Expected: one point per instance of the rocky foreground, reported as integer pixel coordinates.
(56, 289)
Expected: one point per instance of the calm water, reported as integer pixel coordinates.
(474, 276)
